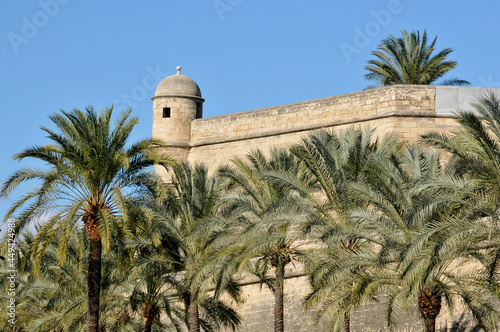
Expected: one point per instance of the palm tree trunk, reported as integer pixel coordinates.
(430, 324)
(150, 312)
(94, 276)
(347, 324)
(148, 323)
(429, 305)
(194, 316)
(278, 298)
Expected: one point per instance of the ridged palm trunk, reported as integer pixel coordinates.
(148, 323)
(278, 298)
(194, 316)
(351, 246)
(429, 305)
(94, 275)
(150, 312)
(347, 324)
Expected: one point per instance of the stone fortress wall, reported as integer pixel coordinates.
(406, 110)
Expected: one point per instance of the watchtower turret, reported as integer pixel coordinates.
(177, 102)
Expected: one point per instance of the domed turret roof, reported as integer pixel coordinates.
(178, 85)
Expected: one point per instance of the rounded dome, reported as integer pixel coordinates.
(178, 85)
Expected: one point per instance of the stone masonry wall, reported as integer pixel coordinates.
(406, 110)
(355, 107)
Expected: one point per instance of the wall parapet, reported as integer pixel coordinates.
(393, 101)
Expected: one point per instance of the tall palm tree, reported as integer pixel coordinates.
(269, 215)
(54, 299)
(192, 200)
(341, 280)
(410, 199)
(409, 60)
(154, 292)
(90, 174)
(475, 154)
(475, 147)
(151, 263)
(334, 160)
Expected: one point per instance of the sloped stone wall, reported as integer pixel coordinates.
(407, 111)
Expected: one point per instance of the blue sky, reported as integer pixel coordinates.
(244, 54)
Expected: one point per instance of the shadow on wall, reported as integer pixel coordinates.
(463, 324)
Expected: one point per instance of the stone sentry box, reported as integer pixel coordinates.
(176, 103)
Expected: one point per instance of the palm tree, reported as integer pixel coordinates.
(54, 299)
(410, 60)
(269, 215)
(412, 204)
(150, 266)
(334, 160)
(89, 178)
(192, 200)
(475, 148)
(154, 292)
(341, 280)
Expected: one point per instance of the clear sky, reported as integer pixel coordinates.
(244, 54)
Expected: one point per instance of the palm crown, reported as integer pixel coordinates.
(89, 178)
(409, 60)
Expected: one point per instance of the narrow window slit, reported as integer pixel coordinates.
(166, 112)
